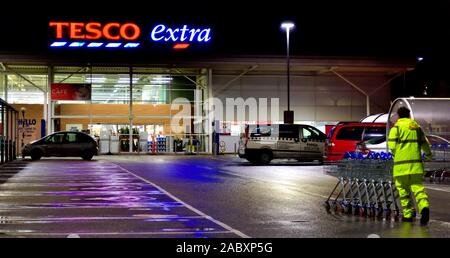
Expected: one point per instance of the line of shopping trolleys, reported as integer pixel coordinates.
(366, 187)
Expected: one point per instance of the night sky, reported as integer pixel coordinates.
(388, 29)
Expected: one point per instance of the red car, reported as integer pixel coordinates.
(344, 137)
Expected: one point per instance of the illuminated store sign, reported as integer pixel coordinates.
(122, 35)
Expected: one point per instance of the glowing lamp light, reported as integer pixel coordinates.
(420, 58)
(58, 44)
(287, 25)
(181, 46)
(95, 44)
(113, 44)
(76, 44)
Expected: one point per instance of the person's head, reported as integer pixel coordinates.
(403, 112)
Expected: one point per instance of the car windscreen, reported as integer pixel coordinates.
(261, 131)
(376, 140)
(350, 133)
(373, 132)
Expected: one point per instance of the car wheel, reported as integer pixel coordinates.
(87, 155)
(36, 154)
(265, 158)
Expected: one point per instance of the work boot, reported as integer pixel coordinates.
(425, 216)
(407, 219)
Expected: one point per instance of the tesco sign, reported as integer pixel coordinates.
(125, 35)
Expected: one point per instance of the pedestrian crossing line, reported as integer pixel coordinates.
(237, 232)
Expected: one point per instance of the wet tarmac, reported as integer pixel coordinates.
(186, 196)
(58, 198)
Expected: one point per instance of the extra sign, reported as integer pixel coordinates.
(123, 35)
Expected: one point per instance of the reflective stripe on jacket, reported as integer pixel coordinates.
(406, 140)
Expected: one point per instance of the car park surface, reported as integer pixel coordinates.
(175, 196)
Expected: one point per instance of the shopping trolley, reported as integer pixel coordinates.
(365, 186)
(438, 169)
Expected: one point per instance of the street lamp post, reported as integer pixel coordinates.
(288, 115)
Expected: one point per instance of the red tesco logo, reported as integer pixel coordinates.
(96, 30)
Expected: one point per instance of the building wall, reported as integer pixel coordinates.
(319, 98)
(33, 116)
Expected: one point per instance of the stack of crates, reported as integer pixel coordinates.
(159, 145)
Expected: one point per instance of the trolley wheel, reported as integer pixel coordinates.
(327, 207)
(379, 213)
(363, 211)
(387, 215)
(371, 212)
(338, 207)
(355, 211)
(396, 215)
(347, 209)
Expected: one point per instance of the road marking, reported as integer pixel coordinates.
(373, 236)
(73, 236)
(237, 232)
(437, 189)
(275, 181)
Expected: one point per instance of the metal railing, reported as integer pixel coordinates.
(8, 132)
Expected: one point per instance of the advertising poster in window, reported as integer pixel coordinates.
(71, 91)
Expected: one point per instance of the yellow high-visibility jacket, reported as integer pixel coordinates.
(406, 140)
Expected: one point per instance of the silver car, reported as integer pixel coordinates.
(62, 144)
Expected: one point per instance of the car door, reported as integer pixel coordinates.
(53, 145)
(312, 143)
(288, 141)
(71, 145)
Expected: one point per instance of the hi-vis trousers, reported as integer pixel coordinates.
(407, 184)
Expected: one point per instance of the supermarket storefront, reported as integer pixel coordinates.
(148, 87)
(118, 98)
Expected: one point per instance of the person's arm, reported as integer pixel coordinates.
(392, 139)
(425, 145)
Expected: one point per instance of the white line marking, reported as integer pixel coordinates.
(275, 181)
(373, 236)
(437, 189)
(237, 232)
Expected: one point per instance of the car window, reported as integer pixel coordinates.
(373, 132)
(308, 133)
(289, 131)
(71, 137)
(320, 135)
(376, 140)
(352, 133)
(261, 131)
(84, 138)
(56, 138)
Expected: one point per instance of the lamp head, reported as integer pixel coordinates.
(23, 109)
(287, 25)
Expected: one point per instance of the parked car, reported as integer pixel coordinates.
(379, 144)
(62, 144)
(262, 143)
(344, 137)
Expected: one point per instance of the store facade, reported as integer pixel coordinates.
(167, 100)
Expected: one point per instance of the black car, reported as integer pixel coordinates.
(62, 144)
